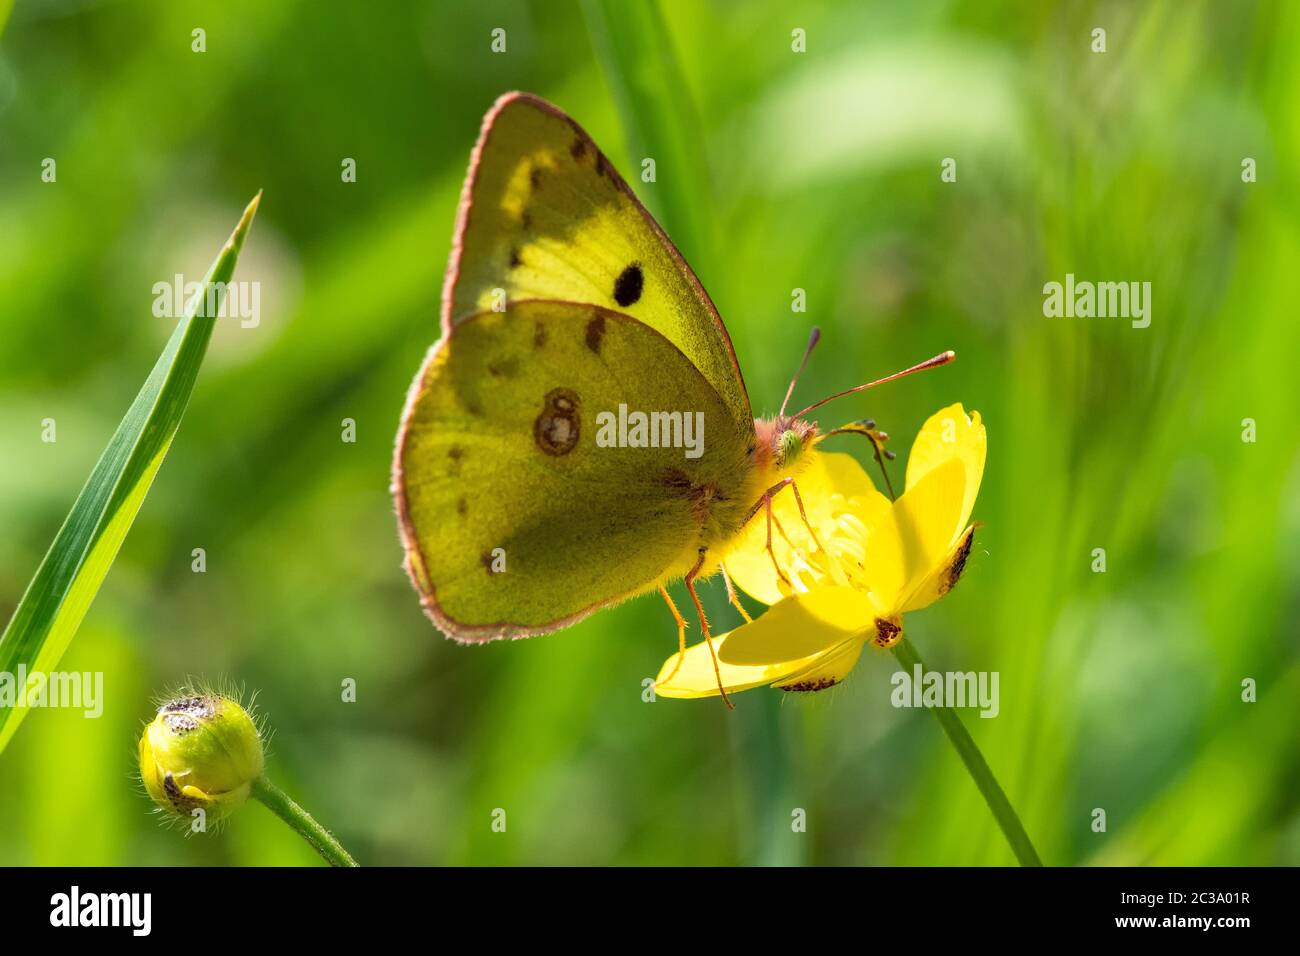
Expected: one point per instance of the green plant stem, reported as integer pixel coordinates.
(283, 806)
(976, 766)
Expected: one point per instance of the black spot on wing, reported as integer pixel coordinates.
(578, 149)
(595, 332)
(628, 285)
(507, 367)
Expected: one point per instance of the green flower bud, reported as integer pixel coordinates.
(200, 752)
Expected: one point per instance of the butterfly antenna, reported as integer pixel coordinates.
(941, 359)
(813, 339)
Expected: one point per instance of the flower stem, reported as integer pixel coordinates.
(977, 767)
(321, 840)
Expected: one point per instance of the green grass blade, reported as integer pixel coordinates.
(659, 120)
(68, 579)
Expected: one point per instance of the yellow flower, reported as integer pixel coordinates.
(202, 751)
(881, 559)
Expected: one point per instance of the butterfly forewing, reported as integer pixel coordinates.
(546, 216)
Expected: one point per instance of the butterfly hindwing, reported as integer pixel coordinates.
(516, 519)
(546, 216)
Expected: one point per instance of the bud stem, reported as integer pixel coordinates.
(283, 806)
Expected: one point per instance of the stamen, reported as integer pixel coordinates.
(838, 558)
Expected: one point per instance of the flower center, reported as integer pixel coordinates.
(844, 536)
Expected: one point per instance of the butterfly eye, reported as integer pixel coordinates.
(791, 445)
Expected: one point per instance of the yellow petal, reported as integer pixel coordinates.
(884, 564)
(787, 641)
(944, 577)
(929, 520)
(694, 676)
(828, 670)
(839, 499)
(950, 434)
(800, 627)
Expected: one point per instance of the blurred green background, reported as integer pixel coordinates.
(776, 170)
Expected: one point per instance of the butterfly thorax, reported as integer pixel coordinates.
(782, 449)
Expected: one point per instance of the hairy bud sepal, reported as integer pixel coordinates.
(202, 751)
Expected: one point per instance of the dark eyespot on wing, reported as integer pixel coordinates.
(628, 285)
(595, 332)
(558, 426)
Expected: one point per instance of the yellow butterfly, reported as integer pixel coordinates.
(581, 433)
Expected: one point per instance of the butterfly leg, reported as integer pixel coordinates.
(804, 514)
(731, 595)
(704, 624)
(767, 503)
(780, 529)
(681, 633)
